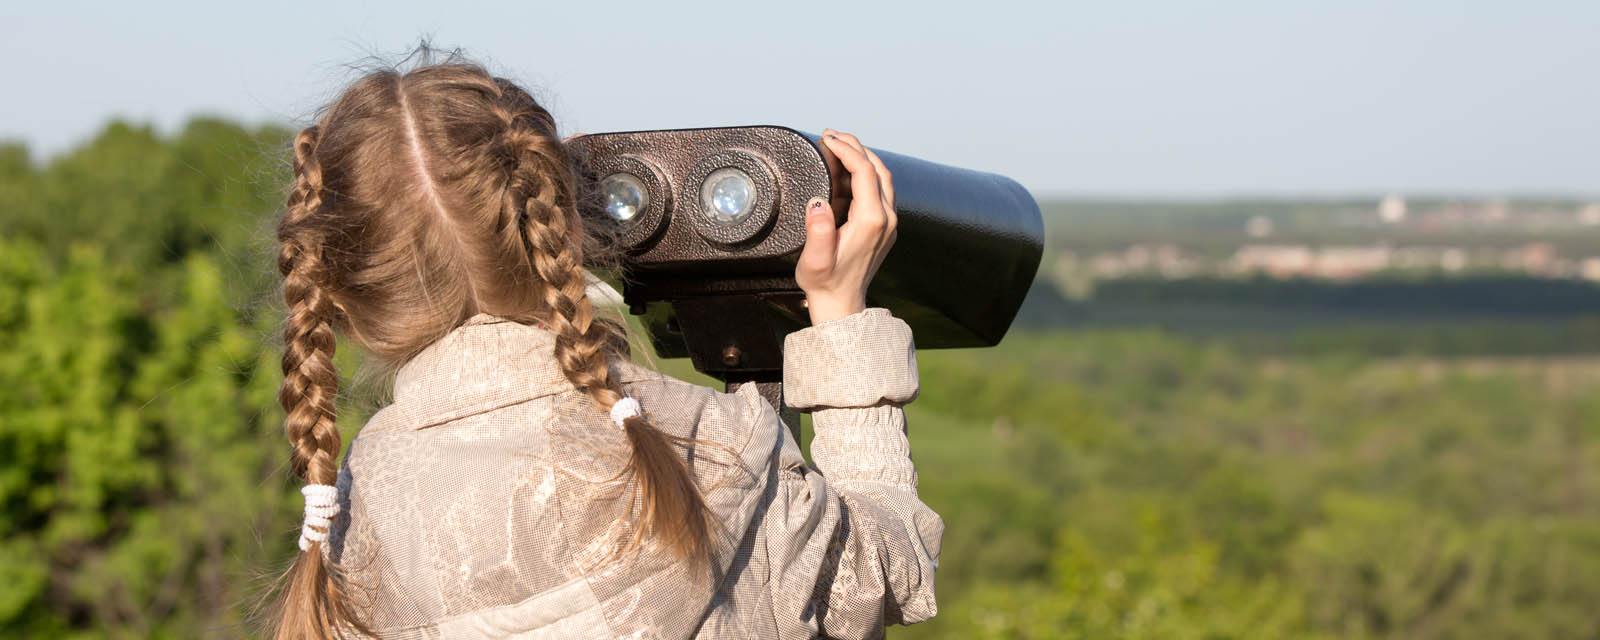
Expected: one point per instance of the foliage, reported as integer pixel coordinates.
(147, 203)
(143, 488)
(1136, 485)
(136, 445)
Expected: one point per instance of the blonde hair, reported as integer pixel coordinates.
(422, 198)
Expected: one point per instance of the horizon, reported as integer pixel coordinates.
(39, 160)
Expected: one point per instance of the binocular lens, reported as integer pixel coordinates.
(626, 196)
(728, 196)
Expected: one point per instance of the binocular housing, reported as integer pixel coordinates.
(713, 220)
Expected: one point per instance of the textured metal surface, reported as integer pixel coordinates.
(968, 247)
(710, 325)
(794, 161)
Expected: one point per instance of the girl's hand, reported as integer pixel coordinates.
(837, 263)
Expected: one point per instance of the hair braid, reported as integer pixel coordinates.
(310, 382)
(312, 600)
(673, 509)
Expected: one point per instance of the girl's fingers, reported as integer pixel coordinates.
(819, 254)
(863, 176)
(885, 180)
(885, 185)
(848, 139)
(837, 263)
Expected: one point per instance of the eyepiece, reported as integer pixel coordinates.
(737, 197)
(626, 196)
(727, 197)
(634, 195)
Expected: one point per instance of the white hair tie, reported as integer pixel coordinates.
(322, 504)
(624, 409)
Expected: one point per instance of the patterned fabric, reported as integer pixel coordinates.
(488, 501)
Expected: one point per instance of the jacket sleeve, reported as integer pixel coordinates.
(852, 548)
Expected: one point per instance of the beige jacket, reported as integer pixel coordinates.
(483, 502)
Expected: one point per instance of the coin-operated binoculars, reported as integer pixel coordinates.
(712, 222)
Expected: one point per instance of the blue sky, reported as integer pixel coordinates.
(1130, 99)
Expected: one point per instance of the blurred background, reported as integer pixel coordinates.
(1314, 351)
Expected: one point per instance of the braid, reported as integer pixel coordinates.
(310, 382)
(543, 200)
(312, 602)
(540, 198)
(305, 195)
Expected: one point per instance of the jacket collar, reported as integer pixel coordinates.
(486, 363)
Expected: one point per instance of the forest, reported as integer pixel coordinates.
(1100, 475)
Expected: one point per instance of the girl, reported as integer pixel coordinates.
(528, 480)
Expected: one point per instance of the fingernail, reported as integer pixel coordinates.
(815, 206)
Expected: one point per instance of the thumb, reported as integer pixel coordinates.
(822, 239)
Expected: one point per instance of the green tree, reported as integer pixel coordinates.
(137, 446)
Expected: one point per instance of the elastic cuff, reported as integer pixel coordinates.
(860, 360)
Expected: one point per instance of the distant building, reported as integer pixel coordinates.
(1279, 261)
(1345, 263)
(1589, 269)
(1535, 258)
(1392, 209)
(1589, 215)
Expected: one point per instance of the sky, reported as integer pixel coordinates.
(1072, 99)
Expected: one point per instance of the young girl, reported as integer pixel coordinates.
(528, 480)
